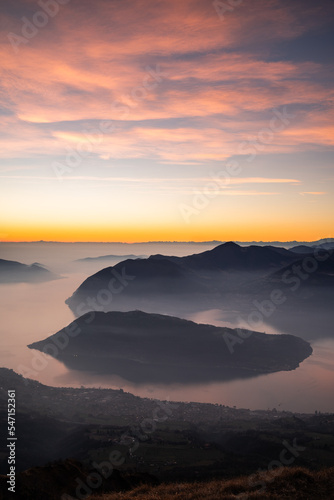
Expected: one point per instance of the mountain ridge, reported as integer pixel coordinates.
(194, 276)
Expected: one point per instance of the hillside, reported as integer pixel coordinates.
(306, 288)
(60, 480)
(160, 283)
(153, 347)
(171, 441)
(295, 483)
(54, 480)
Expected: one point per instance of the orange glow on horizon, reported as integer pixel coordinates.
(113, 118)
(259, 232)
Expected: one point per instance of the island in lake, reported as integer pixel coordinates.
(145, 347)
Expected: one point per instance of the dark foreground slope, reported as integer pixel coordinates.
(63, 480)
(152, 347)
(293, 483)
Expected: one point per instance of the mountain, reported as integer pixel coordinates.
(290, 244)
(111, 257)
(229, 278)
(170, 284)
(148, 284)
(309, 271)
(15, 272)
(296, 299)
(302, 249)
(232, 257)
(152, 347)
(310, 249)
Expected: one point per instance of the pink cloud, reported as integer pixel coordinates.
(87, 59)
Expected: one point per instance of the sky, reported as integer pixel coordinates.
(166, 120)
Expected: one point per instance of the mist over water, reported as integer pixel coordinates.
(32, 312)
(62, 257)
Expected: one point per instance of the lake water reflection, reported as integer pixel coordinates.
(31, 312)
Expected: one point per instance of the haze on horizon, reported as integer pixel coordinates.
(151, 121)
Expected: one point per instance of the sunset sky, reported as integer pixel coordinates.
(146, 120)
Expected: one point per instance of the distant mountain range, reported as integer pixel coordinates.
(323, 241)
(146, 347)
(111, 257)
(328, 242)
(15, 272)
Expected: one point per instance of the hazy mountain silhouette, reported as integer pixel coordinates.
(151, 284)
(290, 244)
(310, 249)
(305, 291)
(15, 272)
(309, 270)
(153, 347)
(302, 249)
(173, 284)
(111, 257)
(229, 278)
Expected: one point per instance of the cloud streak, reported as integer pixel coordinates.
(183, 91)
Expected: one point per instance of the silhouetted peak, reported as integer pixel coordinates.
(230, 244)
(229, 247)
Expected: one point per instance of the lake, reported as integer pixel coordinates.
(31, 312)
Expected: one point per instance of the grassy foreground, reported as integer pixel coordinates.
(288, 483)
